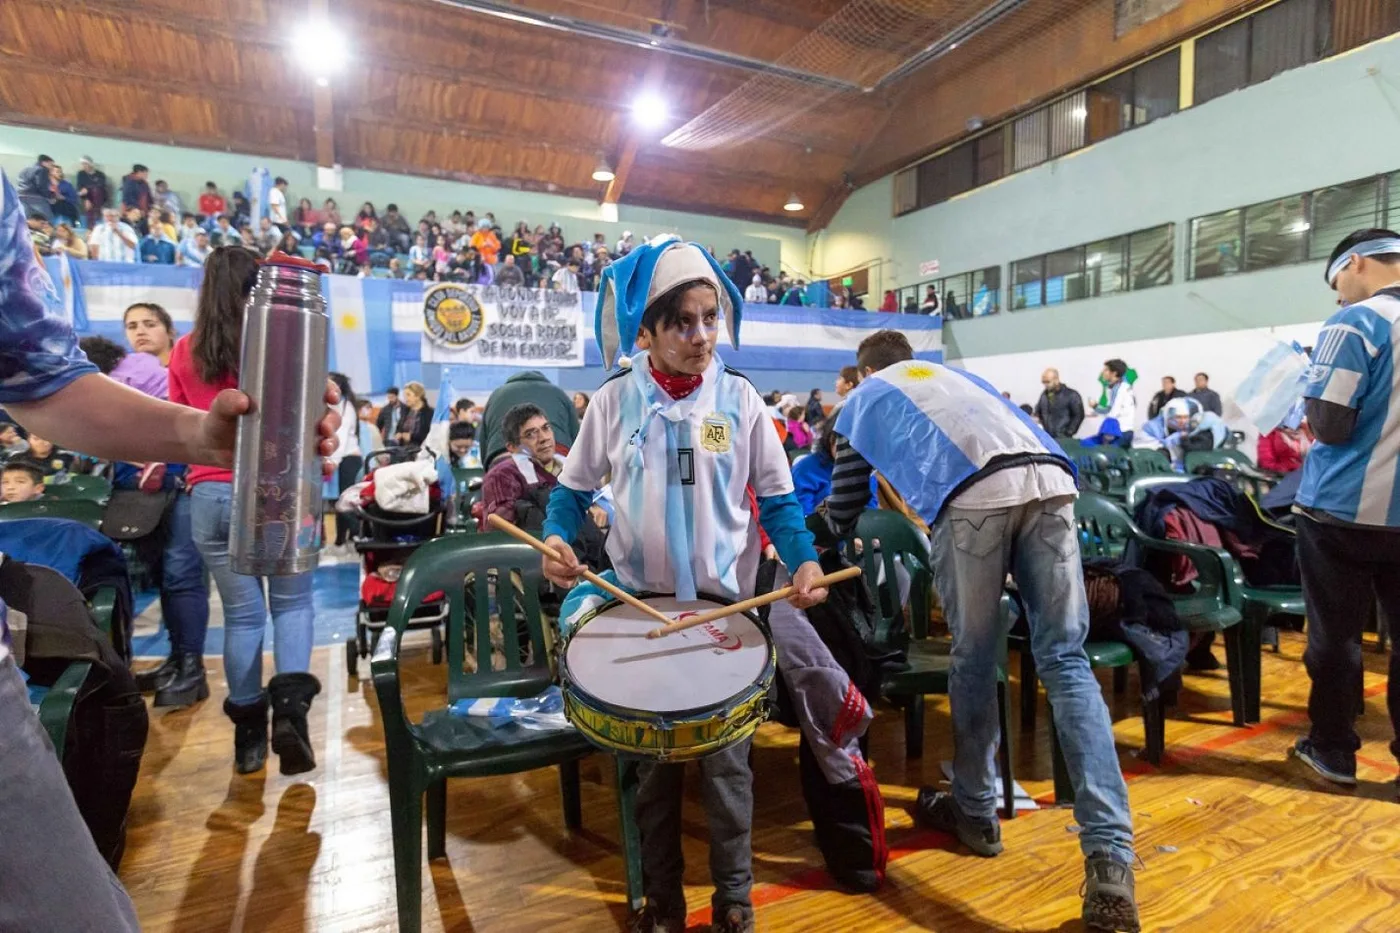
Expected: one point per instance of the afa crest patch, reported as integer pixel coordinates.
(717, 433)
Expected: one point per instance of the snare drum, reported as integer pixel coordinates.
(684, 696)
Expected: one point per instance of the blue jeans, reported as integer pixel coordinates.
(1038, 543)
(245, 608)
(184, 596)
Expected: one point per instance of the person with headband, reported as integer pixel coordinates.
(1348, 502)
(683, 438)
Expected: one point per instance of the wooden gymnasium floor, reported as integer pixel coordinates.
(1233, 836)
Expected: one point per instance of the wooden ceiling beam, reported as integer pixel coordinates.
(25, 66)
(323, 106)
(651, 83)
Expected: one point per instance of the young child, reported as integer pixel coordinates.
(682, 437)
(21, 481)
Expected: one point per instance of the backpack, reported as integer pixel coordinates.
(107, 733)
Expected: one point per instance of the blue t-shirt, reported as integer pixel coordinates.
(1354, 364)
(39, 352)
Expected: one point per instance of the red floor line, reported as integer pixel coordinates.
(817, 879)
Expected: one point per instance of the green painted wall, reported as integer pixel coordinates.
(186, 170)
(1326, 123)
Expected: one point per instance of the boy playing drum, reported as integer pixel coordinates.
(682, 436)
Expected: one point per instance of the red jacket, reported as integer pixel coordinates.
(1278, 453)
(187, 388)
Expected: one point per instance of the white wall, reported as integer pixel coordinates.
(1311, 127)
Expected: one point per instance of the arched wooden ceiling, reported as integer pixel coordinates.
(437, 90)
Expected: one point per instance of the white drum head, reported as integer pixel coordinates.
(612, 660)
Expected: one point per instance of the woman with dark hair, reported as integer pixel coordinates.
(366, 213)
(306, 220)
(289, 244)
(349, 459)
(149, 329)
(814, 412)
(201, 365)
(580, 403)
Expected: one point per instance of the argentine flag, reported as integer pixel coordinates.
(927, 428)
(1274, 386)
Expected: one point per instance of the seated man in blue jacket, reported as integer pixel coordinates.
(1182, 425)
(998, 494)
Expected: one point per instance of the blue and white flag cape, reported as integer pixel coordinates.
(1274, 386)
(927, 428)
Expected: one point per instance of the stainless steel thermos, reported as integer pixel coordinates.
(275, 526)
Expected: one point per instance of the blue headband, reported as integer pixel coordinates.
(1364, 248)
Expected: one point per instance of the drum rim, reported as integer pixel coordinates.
(761, 686)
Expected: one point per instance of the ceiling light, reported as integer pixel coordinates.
(793, 203)
(1095, 259)
(604, 171)
(1300, 227)
(1079, 113)
(323, 82)
(321, 49)
(649, 110)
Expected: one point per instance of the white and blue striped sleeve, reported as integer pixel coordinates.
(1344, 354)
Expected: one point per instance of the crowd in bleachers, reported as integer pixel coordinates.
(137, 221)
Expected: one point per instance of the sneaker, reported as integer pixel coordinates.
(1337, 767)
(735, 918)
(648, 920)
(1110, 905)
(938, 810)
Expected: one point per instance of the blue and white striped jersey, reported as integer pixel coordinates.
(679, 472)
(1354, 364)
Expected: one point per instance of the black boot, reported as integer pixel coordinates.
(188, 686)
(249, 734)
(157, 677)
(291, 696)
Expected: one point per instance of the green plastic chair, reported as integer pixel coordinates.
(928, 662)
(79, 510)
(1138, 487)
(96, 488)
(56, 707)
(423, 755)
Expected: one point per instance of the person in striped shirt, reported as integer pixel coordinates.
(1348, 503)
(998, 494)
(683, 438)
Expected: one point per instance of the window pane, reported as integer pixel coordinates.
(1030, 139)
(1286, 35)
(961, 168)
(1392, 182)
(1222, 60)
(906, 191)
(1150, 255)
(1110, 107)
(1067, 118)
(1064, 275)
(1215, 245)
(1274, 233)
(1105, 267)
(986, 291)
(1026, 282)
(1338, 211)
(1156, 88)
(933, 182)
(991, 156)
(952, 293)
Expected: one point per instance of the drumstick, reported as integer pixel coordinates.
(751, 603)
(520, 534)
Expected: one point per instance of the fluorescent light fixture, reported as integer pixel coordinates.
(649, 110)
(1079, 113)
(793, 203)
(321, 49)
(604, 171)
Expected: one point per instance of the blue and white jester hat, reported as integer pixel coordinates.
(651, 270)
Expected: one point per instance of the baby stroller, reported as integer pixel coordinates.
(386, 539)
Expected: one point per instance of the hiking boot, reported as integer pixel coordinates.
(291, 696)
(648, 920)
(1109, 902)
(157, 677)
(188, 686)
(938, 810)
(733, 918)
(249, 734)
(1337, 767)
